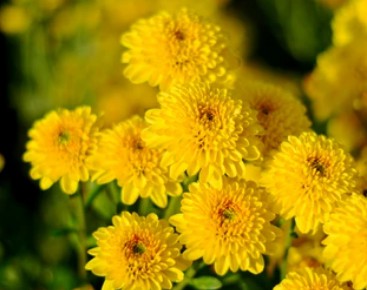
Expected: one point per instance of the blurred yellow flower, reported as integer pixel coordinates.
(311, 279)
(278, 112)
(73, 18)
(165, 50)
(205, 8)
(14, 19)
(123, 155)
(345, 64)
(137, 253)
(120, 14)
(345, 245)
(59, 146)
(350, 22)
(203, 130)
(333, 4)
(306, 251)
(230, 227)
(361, 165)
(348, 129)
(308, 175)
(2, 162)
(123, 100)
(252, 71)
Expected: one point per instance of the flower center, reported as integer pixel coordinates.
(207, 115)
(317, 165)
(138, 248)
(226, 211)
(179, 35)
(228, 214)
(135, 246)
(63, 137)
(265, 109)
(138, 144)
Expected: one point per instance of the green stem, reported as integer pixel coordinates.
(91, 197)
(288, 244)
(77, 202)
(189, 274)
(114, 192)
(173, 206)
(144, 206)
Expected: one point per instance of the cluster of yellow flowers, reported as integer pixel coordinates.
(248, 147)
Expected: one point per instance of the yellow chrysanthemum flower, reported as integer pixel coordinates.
(2, 162)
(308, 175)
(59, 146)
(345, 64)
(311, 279)
(123, 155)
(346, 242)
(348, 129)
(306, 251)
(350, 22)
(116, 107)
(14, 19)
(278, 112)
(166, 50)
(333, 4)
(203, 129)
(229, 227)
(361, 165)
(137, 253)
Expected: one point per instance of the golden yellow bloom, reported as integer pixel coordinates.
(124, 156)
(59, 146)
(2, 162)
(166, 50)
(205, 8)
(229, 227)
(117, 106)
(350, 22)
(311, 279)
(252, 71)
(348, 129)
(346, 242)
(333, 4)
(14, 19)
(278, 112)
(306, 251)
(361, 165)
(137, 253)
(203, 129)
(345, 64)
(120, 14)
(307, 177)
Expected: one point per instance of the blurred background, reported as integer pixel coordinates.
(64, 53)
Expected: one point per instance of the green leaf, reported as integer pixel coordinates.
(206, 283)
(62, 232)
(93, 194)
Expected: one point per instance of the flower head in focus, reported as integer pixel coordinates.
(311, 279)
(123, 155)
(230, 227)
(278, 112)
(345, 245)
(203, 129)
(137, 253)
(308, 175)
(59, 146)
(165, 50)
